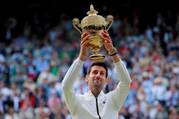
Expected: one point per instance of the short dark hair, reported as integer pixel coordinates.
(102, 64)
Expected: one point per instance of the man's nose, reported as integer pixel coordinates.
(98, 75)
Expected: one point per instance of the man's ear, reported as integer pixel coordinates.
(86, 78)
(107, 79)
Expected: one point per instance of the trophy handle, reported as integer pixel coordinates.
(109, 21)
(76, 25)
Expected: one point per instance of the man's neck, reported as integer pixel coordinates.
(96, 92)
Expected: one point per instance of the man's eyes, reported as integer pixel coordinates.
(96, 72)
(102, 73)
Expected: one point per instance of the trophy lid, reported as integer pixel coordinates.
(93, 19)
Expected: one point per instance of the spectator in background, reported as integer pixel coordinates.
(9, 110)
(42, 111)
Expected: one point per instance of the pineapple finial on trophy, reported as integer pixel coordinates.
(92, 11)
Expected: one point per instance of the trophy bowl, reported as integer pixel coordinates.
(94, 23)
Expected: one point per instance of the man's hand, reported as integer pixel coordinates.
(106, 39)
(84, 45)
(107, 42)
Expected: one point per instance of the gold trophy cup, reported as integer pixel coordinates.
(94, 23)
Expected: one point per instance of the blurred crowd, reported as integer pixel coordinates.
(35, 55)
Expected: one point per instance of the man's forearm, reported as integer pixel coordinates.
(72, 74)
(67, 84)
(122, 88)
(122, 72)
(115, 58)
(114, 55)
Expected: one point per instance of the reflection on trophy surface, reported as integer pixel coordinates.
(94, 23)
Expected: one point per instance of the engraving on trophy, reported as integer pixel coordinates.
(94, 23)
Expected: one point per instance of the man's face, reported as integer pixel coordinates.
(97, 77)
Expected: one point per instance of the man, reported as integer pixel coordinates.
(95, 104)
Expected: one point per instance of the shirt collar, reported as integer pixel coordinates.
(90, 94)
